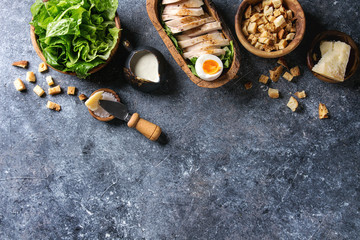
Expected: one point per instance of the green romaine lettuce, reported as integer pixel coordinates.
(75, 35)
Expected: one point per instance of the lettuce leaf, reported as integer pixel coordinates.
(75, 35)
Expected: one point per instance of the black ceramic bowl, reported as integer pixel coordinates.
(141, 83)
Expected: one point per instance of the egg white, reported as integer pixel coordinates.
(200, 71)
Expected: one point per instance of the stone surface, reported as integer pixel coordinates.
(239, 165)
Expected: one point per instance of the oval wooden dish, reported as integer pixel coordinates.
(228, 74)
(299, 16)
(35, 44)
(353, 63)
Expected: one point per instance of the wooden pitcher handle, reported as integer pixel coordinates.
(146, 128)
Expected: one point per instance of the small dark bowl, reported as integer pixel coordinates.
(333, 36)
(140, 83)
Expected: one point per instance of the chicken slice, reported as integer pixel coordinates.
(170, 17)
(198, 53)
(207, 44)
(169, 10)
(191, 25)
(188, 4)
(192, 41)
(206, 28)
(164, 2)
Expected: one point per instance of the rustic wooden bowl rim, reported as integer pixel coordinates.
(36, 46)
(300, 30)
(333, 35)
(227, 76)
(111, 117)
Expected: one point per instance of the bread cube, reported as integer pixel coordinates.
(83, 97)
(293, 104)
(282, 44)
(282, 62)
(264, 79)
(264, 40)
(245, 32)
(323, 111)
(277, 3)
(289, 14)
(255, 17)
(273, 93)
(258, 7)
(262, 28)
(259, 46)
(43, 67)
(301, 94)
(295, 71)
(266, 3)
(71, 90)
(30, 77)
(268, 10)
(288, 76)
(281, 34)
(248, 12)
(55, 90)
(290, 36)
(276, 73)
(277, 13)
(53, 106)
(19, 85)
(38, 90)
(22, 64)
(280, 21)
(252, 27)
(50, 80)
(248, 85)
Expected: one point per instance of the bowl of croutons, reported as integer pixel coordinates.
(270, 28)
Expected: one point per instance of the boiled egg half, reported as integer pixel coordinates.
(209, 67)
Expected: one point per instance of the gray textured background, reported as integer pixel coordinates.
(239, 165)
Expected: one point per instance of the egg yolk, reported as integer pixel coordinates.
(211, 67)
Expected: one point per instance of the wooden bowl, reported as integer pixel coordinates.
(111, 117)
(299, 15)
(36, 46)
(228, 74)
(333, 36)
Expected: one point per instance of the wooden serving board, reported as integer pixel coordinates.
(228, 74)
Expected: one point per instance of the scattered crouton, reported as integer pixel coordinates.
(264, 79)
(55, 90)
(53, 106)
(248, 85)
(83, 97)
(323, 111)
(30, 77)
(19, 85)
(276, 73)
(301, 94)
(43, 67)
(22, 64)
(293, 104)
(282, 62)
(38, 90)
(273, 93)
(71, 90)
(288, 76)
(295, 71)
(50, 80)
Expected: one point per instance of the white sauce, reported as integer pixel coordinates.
(145, 65)
(100, 112)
